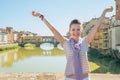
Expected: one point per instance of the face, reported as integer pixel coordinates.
(75, 31)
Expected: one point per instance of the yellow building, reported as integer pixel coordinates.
(108, 35)
(101, 40)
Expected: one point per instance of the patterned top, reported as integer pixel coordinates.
(69, 56)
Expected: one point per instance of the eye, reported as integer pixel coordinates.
(78, 29)
(73, 29)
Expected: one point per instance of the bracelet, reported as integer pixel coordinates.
(41, 16)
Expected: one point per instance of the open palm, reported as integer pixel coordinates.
(109, 9)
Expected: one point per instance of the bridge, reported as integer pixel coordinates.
(38, 40)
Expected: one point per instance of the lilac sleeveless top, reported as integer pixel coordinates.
(70, 59)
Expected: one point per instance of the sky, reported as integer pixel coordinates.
(17, 13)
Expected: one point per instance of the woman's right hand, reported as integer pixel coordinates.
(57, 35)
(37, 15)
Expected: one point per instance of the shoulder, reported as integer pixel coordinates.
(84, 45)
(84, 39)
(65, 41)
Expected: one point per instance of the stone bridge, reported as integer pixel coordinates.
(38, 40)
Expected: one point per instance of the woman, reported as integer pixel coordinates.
(75, 47)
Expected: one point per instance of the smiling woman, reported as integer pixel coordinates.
(75, 47)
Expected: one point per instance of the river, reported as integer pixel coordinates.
(45, 58)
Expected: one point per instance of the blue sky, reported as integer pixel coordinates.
(17, 13)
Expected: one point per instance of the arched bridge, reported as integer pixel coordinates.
(38, 40)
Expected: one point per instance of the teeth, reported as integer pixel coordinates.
(75, 34)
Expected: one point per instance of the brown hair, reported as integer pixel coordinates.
(75, 21)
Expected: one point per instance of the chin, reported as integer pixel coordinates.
(76, 38)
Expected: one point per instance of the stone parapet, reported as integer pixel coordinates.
(53, 76)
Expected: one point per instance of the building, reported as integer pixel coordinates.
(108, 35)
(9, 30)
(117, 9)
(24, 35)
(3, 37)
(101, 39)
(15, 36)
(115, 28)
(8, 35)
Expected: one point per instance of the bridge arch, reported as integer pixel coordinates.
(38, 40)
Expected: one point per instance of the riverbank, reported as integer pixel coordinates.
(8, 46)
(53, 76)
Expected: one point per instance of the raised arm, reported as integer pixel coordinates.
(57, 35)
(93, 31)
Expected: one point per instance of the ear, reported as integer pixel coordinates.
(81, 30)
(69, 31)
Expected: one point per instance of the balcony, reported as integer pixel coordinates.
(105, 47)
(105, 30)
(105, 38)
(96, 38)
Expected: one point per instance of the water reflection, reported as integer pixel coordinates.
(47, 52)
(7, 58)
(48, 47)
(59, 46)
(10, 61)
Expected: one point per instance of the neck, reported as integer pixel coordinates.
(76, 40)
